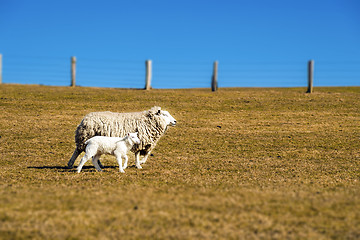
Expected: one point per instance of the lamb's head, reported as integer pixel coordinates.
(133, 137)
(170, 121)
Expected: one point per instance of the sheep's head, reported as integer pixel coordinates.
(170, 121)
(165, 115)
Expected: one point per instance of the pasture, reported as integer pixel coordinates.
(242, 163)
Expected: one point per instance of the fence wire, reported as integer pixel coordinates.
(131, 74)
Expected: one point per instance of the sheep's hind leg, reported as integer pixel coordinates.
(96, 161)
(137, 158)
(73, 158)
(100, 164)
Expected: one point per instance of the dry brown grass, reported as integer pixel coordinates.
(241, 164)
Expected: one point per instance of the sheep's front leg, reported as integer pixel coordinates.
(119, 160)
(145, 157)
(137, 160)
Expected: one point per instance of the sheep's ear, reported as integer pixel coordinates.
(150, 112)
(155, 109)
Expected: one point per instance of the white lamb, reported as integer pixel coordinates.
(118, 147)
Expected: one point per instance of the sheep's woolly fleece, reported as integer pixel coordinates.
(148, 124)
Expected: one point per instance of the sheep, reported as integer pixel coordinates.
(118, 147)
(150, 124)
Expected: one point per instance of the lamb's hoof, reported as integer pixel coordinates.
(122, 171)
(139, 167)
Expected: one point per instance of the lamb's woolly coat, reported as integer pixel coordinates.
(149, 125)
(118, 147)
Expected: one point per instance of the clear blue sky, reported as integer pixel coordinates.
(246, 37)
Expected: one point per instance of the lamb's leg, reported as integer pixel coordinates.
(84, 159)
(145, 157)
(126, 161)
(73, 158)
(137, 158)
(96, 161)
(119, 160)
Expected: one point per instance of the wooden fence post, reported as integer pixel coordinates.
(214, 80)
(310, 76)
(0, 68)
(73, 71)
(148, 74)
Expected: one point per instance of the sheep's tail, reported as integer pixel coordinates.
(73, 158)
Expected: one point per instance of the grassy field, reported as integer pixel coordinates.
(242, 163)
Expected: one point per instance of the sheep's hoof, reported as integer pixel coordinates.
(139, 167)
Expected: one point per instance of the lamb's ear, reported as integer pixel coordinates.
(158, 112)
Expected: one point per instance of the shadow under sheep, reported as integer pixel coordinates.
(66, 169)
